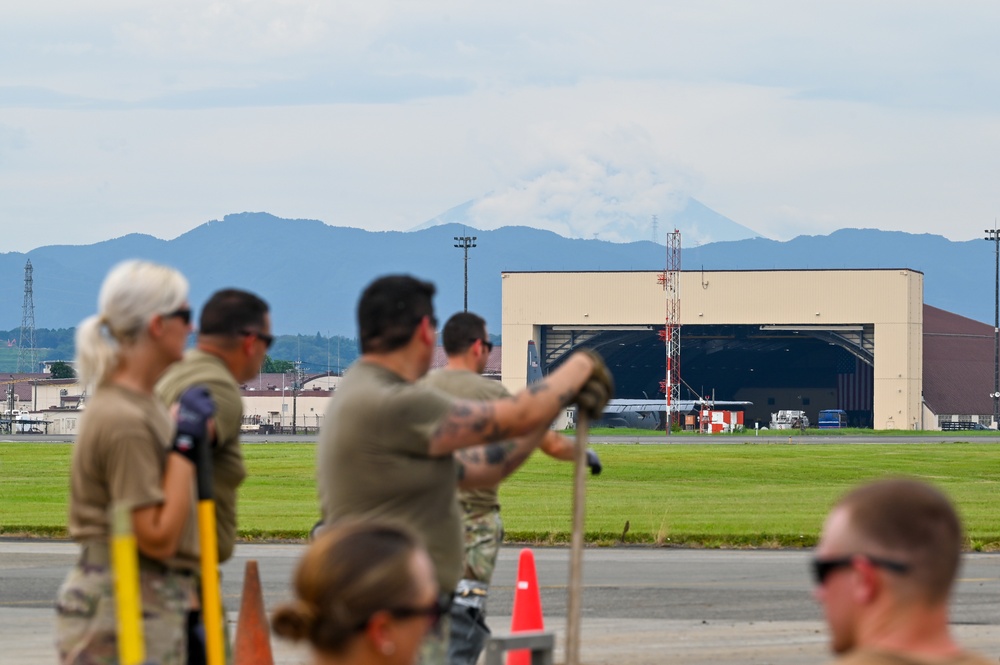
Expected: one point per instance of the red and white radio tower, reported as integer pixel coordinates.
(671, 281)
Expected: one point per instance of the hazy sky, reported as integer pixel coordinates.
(789, 117)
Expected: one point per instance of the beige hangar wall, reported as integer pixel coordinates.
(892, 300)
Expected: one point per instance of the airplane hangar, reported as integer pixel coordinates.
(782, 339)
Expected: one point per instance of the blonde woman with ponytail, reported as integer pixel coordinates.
(365, 594)
(129, 452)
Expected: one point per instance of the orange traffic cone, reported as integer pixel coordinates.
(527, 614)
(253, 632)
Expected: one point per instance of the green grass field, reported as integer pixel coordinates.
(759, 495)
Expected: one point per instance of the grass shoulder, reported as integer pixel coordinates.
(708, 496)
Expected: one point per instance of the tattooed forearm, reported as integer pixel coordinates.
(538, 387)
(472, 418)
(493, 461)
(497, 453)
(505, 455)
(513, 461)
(469, 455)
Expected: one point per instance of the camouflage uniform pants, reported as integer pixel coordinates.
(85, 616)
(483, 537)
(469, 632)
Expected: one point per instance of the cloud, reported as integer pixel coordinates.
(345, 89)
(587, 196)
(902, 53)
(787, 117)
(12, 139)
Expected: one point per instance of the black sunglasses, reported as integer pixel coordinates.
(488, 345)
(823, 567)
(264, 337)
(434, 612)
(182, 313)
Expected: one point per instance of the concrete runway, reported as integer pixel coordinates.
(641, 605)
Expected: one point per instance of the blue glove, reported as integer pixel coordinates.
(594, 462)
(194, 408)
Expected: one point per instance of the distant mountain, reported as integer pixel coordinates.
(311, 273)
(697, 223)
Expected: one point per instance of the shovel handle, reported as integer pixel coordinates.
(575, 588)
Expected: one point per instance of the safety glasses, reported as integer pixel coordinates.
(823, 567)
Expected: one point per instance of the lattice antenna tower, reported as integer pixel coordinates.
(27, 356)
(671, 281)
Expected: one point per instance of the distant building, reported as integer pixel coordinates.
(857, 340)
(958, 369)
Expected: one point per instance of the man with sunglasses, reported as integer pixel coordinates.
(234, 334)
(467, 345)
(387, 443)
(884, 570)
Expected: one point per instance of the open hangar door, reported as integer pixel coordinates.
(774, 367)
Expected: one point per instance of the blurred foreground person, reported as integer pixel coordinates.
(129, 453)
(467, 345)
(884, 570)
(386, 446)
(365, 594)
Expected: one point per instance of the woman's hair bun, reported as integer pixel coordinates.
(294, 620)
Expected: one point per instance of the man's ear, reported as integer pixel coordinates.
(868, 583)
(246, 344)
(429, 335)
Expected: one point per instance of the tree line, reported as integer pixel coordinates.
(312, 353)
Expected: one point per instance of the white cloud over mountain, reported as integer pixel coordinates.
(789, 117)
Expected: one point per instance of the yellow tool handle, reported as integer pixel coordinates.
(211, 601)
(128, 599)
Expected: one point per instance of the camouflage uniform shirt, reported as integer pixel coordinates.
(482, 526)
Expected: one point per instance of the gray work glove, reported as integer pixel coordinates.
(594, 462)
(598, 389)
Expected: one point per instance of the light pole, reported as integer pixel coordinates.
(993, 236)
(464, 243)
(296, 386)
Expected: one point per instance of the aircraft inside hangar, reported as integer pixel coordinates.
(775, 369)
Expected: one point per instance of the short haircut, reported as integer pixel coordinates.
(232, 312)
(390, 309)
(350, 572)
(913, 522)
(461, 331)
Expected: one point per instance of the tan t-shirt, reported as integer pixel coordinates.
(120, 455)
(228, 470)
(872, 657)
(466, 384)
(373, 461)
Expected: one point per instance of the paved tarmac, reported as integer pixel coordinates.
(640, 605)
